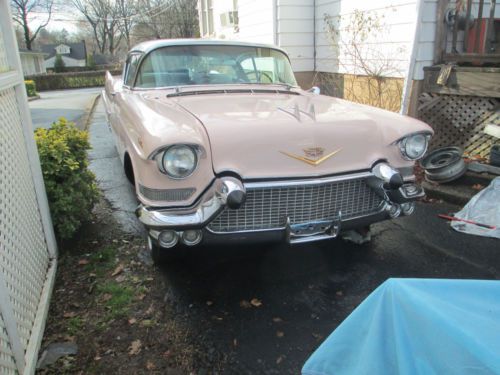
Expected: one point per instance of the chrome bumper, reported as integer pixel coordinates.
(217, 197)
(211, 204)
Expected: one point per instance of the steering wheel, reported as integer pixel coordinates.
(260, 75)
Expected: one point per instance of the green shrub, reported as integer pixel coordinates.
(91, 62)
(30, 88)
(71, 187)
(59, 65)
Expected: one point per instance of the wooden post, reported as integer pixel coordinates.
(440, 42)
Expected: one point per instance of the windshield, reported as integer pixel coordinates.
(212, 65)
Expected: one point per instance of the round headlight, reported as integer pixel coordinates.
(179, 161)
(414, 146)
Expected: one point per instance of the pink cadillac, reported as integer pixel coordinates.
(222, 145)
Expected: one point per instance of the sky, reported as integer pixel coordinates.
(61, 19)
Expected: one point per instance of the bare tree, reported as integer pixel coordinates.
(355, 42)
(104, 19)
(167, 19)
(22, 13)
(127, 11)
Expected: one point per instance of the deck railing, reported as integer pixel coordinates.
(468, 32)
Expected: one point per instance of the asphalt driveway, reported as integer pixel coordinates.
(303, 292)
(72, 104)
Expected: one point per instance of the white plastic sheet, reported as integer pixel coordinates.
(417, 327)
(484, 208)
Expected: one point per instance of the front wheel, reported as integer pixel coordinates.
(162, 255)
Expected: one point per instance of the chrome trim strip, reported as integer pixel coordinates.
(306, 182)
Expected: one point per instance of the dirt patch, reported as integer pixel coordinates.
(104, 302)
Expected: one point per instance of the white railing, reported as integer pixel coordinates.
(27, 245)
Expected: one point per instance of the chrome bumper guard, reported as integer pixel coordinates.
(210, 205)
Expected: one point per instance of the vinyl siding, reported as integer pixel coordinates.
(295, 32)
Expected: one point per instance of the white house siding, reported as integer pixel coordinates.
(295, 32)
(395, 42)
(32, 63)
(426, 37)
(255, 21)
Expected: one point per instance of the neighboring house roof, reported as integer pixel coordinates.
(77, 50)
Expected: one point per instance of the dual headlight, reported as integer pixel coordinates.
(414, 146)
(178, 161)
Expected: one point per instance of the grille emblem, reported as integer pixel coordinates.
(314, 152)
(314, 155)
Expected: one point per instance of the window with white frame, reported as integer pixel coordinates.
(63, 49)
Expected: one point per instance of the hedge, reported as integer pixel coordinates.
(71, 69)
(71, 80)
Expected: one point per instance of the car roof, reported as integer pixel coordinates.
(151, 45)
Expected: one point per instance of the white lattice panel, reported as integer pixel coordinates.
(7, 364)
(24, 258)
(4, 64)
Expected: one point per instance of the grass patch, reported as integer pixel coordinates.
(74, 325)
(119, 298)
(102, 261)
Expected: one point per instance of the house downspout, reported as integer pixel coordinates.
(405, 101)
(275, 22)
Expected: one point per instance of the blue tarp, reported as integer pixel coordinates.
(417, 326)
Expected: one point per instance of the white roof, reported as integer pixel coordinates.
(148, 46)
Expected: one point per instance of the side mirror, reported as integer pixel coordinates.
(315, 90)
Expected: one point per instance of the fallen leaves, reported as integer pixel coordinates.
(69, 314)
(83, 262)
(135, 347)
(119, 269)
(132, 321)
(244, 304)
(256, 302)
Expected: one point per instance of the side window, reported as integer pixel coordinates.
(131, 68)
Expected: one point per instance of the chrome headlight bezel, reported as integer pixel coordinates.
(162, 162)
(404, 143)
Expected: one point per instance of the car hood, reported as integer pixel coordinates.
(265, 135)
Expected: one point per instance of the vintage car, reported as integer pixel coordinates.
(223, 146)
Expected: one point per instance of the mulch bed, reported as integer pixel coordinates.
(108, 300)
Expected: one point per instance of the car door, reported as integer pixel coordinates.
(118, 101)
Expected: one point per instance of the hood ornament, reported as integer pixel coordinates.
(314, 155)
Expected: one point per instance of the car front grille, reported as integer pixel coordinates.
(269, 207)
